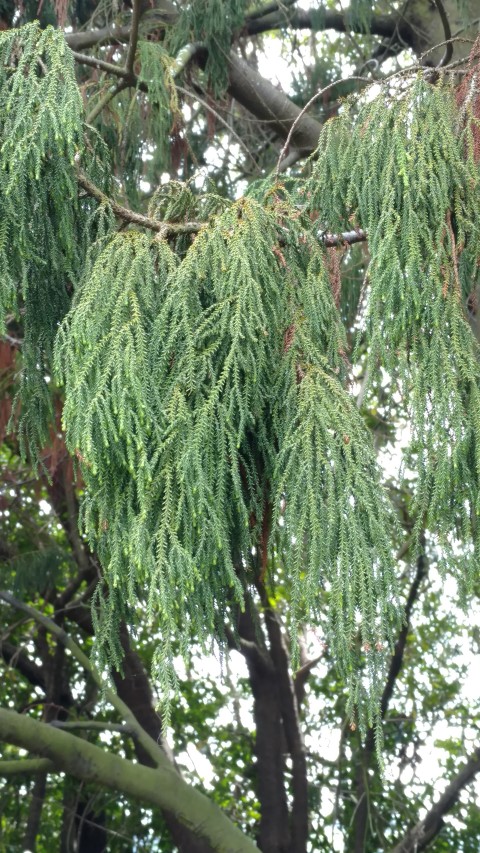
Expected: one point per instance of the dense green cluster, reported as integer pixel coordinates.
(205, 375)
(193, 389)
(401, 166)
(212, 24)
(44, 230)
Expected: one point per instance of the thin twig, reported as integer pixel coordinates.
(307, 106)
(111, 92)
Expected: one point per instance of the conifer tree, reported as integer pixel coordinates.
(207, 358)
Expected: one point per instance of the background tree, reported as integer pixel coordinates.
(240, 426)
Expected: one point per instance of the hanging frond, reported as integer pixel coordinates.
(211, 23)
(44, 229)
(405, 171)
(174, 375)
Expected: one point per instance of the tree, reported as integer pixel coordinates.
(227, 313)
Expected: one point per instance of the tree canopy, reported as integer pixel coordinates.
(240, 425)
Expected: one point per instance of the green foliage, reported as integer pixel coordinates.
(401, 165)
(205, 379)
(208, 405)
(212, 23)
(43, 228)
(145, 119)
(183, 380)
(335, 523)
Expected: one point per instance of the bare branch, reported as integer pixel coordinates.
(92, 725)
(27, 766)
(271, 7)
(427, 829)
(161, 788)
(132, 45)
(346, 237)
(144, 739)
(386, 26)
(110, 34)
(102, 65)
(269, 104)
(165, 229)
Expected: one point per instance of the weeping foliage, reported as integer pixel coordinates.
(145, 120)
(211, 23)
(206, 376)
(334, 535)
(188, 397)
(43, 228)
(402, 167)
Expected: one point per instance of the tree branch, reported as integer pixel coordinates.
(360, 821)
(293, 735)
(92, 725)
(274, 830)
(162, 788)
(427, 829)
(144, 739)
(386, 26)
(111, 34)
(164, 229)
(108, 96)
(133, 687)
(27, 766)
(268, 104)
(250, 650)
(132, 45)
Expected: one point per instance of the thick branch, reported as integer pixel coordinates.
(37, 800)
(91, 725)
(360, 822)
(268, 104)
(144, 739)
(111, 34)
(165, 229)
(133, 687)
(273, 833)
(162, 788)
(27, 766)
(427, 829)
(293, 735)
(387, 26)
(251, 651)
